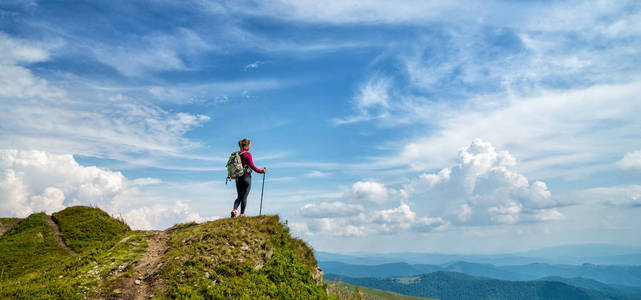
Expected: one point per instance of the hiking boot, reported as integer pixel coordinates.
(234, 213)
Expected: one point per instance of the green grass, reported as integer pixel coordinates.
(34, 266)
(4, 221)
(5, 224)
(84, 228)
(73, 277)
(27, 246)
(346, 291)
(245, 258)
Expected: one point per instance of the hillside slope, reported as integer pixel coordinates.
(452, 285)
(252, 257)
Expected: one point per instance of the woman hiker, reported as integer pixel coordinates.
(243, 183)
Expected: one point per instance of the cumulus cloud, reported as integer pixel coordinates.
(34, 181)
(631, 161)
(484, 188)
(368, 191)
(385, 221)
(149, 217)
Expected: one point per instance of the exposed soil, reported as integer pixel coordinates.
(56, 234)
(145, 281)
(6, 227)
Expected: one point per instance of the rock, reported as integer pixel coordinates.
(137, 282)
(317, 274)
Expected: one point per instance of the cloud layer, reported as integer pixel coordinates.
(482, 189)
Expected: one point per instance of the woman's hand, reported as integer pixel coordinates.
(264, 170)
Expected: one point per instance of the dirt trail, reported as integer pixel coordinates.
(144, 282)
(56, 234)
(6, 227)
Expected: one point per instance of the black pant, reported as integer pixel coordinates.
(243, 185)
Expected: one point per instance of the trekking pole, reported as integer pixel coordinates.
(260, 212)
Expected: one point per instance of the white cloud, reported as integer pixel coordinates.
(150, 217)
(369, 11)
(330, 209)
(627, 196)
(146, 181)
(16, 81)
(530, 80)
(538, 129)
(154, 52)
(255, 65)
(335, 227)
(33, 181)
(49, 201)
(104, 129)
(38, 115)
(368, 191)
(483, 188)
(371, 102)
(316, 174)
(385, 221)
(631, 161)
(17, 51)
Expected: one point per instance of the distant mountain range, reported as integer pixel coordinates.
(453, 285)
(599, 254)
(620, 275)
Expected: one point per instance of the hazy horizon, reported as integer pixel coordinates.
(413, 126)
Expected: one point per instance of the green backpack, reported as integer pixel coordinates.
(235, 166)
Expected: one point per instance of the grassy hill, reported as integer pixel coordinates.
(346, 291)
(452, 285)
(83, 253)
(84, 228)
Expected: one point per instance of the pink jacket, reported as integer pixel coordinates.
(246, 158)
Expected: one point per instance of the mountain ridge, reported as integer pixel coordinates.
(227, 258)
(459, 286)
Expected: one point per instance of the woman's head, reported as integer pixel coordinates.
(244, 144)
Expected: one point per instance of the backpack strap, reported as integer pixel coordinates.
(247, 168)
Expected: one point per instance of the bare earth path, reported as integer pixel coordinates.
(56, 234)
(6, 227)
(143, 284)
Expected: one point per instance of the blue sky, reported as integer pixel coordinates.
(426, 126)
